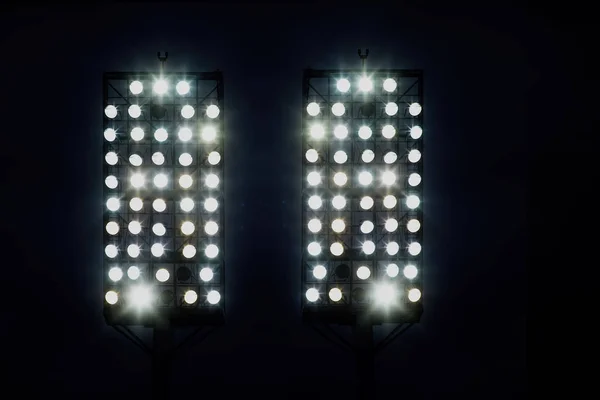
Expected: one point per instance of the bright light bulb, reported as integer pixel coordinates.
(134, 111)
(312, 295)
(110, 111)
(137, 134)
(315, 202)
(319, 272)
(414, 109)
(212, 111)
(161, 134)
(389, 85)
(343, 85)
(335, 294)
(110, 135)
(365, 84)
(313, 109)
(312, 155)
(314, 225)
(115, 274)
(182, 88)
(340, 157)
(136, 87)
(209, 134)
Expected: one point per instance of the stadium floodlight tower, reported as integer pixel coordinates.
(362, 219)
(163, 203)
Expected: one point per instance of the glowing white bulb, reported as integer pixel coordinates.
(315, 202)
(388, 178)
(134, 111)
(157, 250)
(414, 295)
(134, 227)
(392, 248)
(133, 250)
(112, 228)
(185, 134)
(337, 249)
(115, 274)
(414, 179)
(365, 178)
(113, 204)
(211, 251)
(414, 109)
(111, 182)
(412, 201)
(340, 157)
(160, 86)
(187, 228)
(363, 272)
(368, 156)
(390, 157)
(111, 251)
(368, 247)
(319, 272)
(343, 85)
(391, 224)
(110, 111)
(340, 178)
(182, 88)
(188, 251)
(211, 181)
(133, 273)
(391, 109)
(211, 204)
(338, 109)
(416, 132)
(211, 228)
(414, 155)
(338, 225)
(414, 248)
(313, 178)
(312, 155)
(137, 134)
(313, 109)
(212, 111)
(340, 131)
(158, 158)
(213, 297)
(312, 295)
(390, 201)
(159, 205)
(389, 85)
(136, 87)
(365, 132)
(214, 158)
(136, 204)
(185, 159)
(392, 270)
(186, 204)
(388, 131)
(185, 181)
(338, 202)
(162, 275)
(410, 271)
(137, 180)
(111, 158)
(317, 131)
(335, 294)
(365, 84)
(206, 274)
(413, 225)
(159, 229)
(314, 225)
(209, 134)
(161, 134)
(314, 248)
(111, 297)
(367, 227)
(110, 134)
(366, 202)
(190, 297)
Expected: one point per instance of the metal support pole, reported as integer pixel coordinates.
(161, 361)
(365, 358)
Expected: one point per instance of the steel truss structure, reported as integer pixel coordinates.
(158, 148)
(358, 299)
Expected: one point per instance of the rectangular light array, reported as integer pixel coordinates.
(163, 194)
(362, 194)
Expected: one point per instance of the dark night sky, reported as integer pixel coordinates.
(479, 73)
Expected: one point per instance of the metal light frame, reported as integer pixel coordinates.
(320, 86)
(206, 88)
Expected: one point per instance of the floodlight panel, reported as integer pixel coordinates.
(388, 111)
(152, 178)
